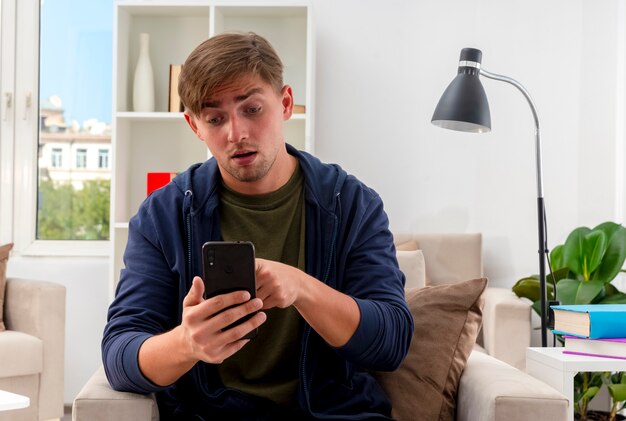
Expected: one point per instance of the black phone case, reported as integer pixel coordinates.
(226, 267)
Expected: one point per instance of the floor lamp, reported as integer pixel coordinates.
(464, 107)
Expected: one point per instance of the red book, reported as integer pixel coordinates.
(157, 180)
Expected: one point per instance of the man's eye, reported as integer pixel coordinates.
(254, 110)
(214, 121)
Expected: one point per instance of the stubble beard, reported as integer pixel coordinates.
(252, 173)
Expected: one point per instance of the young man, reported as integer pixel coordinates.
(330, 297)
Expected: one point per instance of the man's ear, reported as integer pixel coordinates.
(287, 101)
(192, 123)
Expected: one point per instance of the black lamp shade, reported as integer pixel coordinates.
(464, 106)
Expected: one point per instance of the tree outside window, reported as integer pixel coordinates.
(75, 112)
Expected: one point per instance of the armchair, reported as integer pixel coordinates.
(491, 387)
(32, 348)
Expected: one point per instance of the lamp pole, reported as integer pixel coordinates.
(464, 107)
(540, 203)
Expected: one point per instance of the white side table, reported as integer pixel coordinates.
(553, 367)
(10, 400)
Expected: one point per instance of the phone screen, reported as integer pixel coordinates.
(229, 266)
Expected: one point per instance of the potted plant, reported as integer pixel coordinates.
(616, 384)
(586, 387)
(582, 269)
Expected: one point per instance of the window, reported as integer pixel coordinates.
(55, 71)
(56, 158)
(75, 69)
(103, 158)
(81, 158)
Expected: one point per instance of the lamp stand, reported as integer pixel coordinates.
(543, 249)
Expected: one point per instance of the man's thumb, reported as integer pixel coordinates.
(194, 296)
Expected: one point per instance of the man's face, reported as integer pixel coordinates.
(242, 125)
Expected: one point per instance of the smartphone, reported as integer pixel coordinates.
(229, 266)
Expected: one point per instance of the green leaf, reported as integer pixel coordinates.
(529, 288)
(556, 257)
(573, 291)
(573, 250)
(590, 393)
(619, 298)
(594, 247)
(617, 392)
(559, 274)
(615, 254)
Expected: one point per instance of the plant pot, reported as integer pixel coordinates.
(600, 416)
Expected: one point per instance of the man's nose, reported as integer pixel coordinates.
(237, 129)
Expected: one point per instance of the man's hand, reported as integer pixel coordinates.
(164, 358)
(277, 284)
(334, 316)
(203, 321)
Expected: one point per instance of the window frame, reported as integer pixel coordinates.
(81, 158)
(19, 160)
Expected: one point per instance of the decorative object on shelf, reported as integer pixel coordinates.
(157, 180)
(464, 107)
(175, 105)
(143, 82)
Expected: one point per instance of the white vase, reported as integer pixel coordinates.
(143, 84)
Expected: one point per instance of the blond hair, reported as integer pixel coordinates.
(223, 59)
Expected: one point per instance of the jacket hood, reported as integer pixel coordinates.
(203, 179)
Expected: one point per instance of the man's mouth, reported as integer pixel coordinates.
(244, 157)
(243, 154)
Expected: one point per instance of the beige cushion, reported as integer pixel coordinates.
(411, 263)
(450, 258)
(21, 354)
(4, 258)
(447, 321)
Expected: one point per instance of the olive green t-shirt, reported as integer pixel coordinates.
(268, 365)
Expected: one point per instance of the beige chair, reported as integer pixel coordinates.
(32, 348)
(452, 258)
(491, 387)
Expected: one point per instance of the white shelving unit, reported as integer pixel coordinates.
(161, 141)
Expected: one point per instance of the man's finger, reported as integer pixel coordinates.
(194, 296)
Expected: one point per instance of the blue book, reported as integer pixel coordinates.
(593, 321)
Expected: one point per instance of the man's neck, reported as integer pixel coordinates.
(280, 173)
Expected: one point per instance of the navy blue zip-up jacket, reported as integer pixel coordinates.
(348, 246)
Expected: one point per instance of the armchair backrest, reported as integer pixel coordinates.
(449, 258)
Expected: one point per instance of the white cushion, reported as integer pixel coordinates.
(411, 263)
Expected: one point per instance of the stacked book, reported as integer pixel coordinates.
(592, 329)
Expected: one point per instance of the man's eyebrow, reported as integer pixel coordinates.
(238, 98)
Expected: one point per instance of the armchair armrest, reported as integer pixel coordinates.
(38, 309)
(98, 401)
(506, 326)
(491, 390)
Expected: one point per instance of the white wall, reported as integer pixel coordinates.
(380, 70)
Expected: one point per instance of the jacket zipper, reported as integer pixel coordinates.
(307, 330)
(189, 194)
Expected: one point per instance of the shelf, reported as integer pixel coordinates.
(162, 141)
(155, 116)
